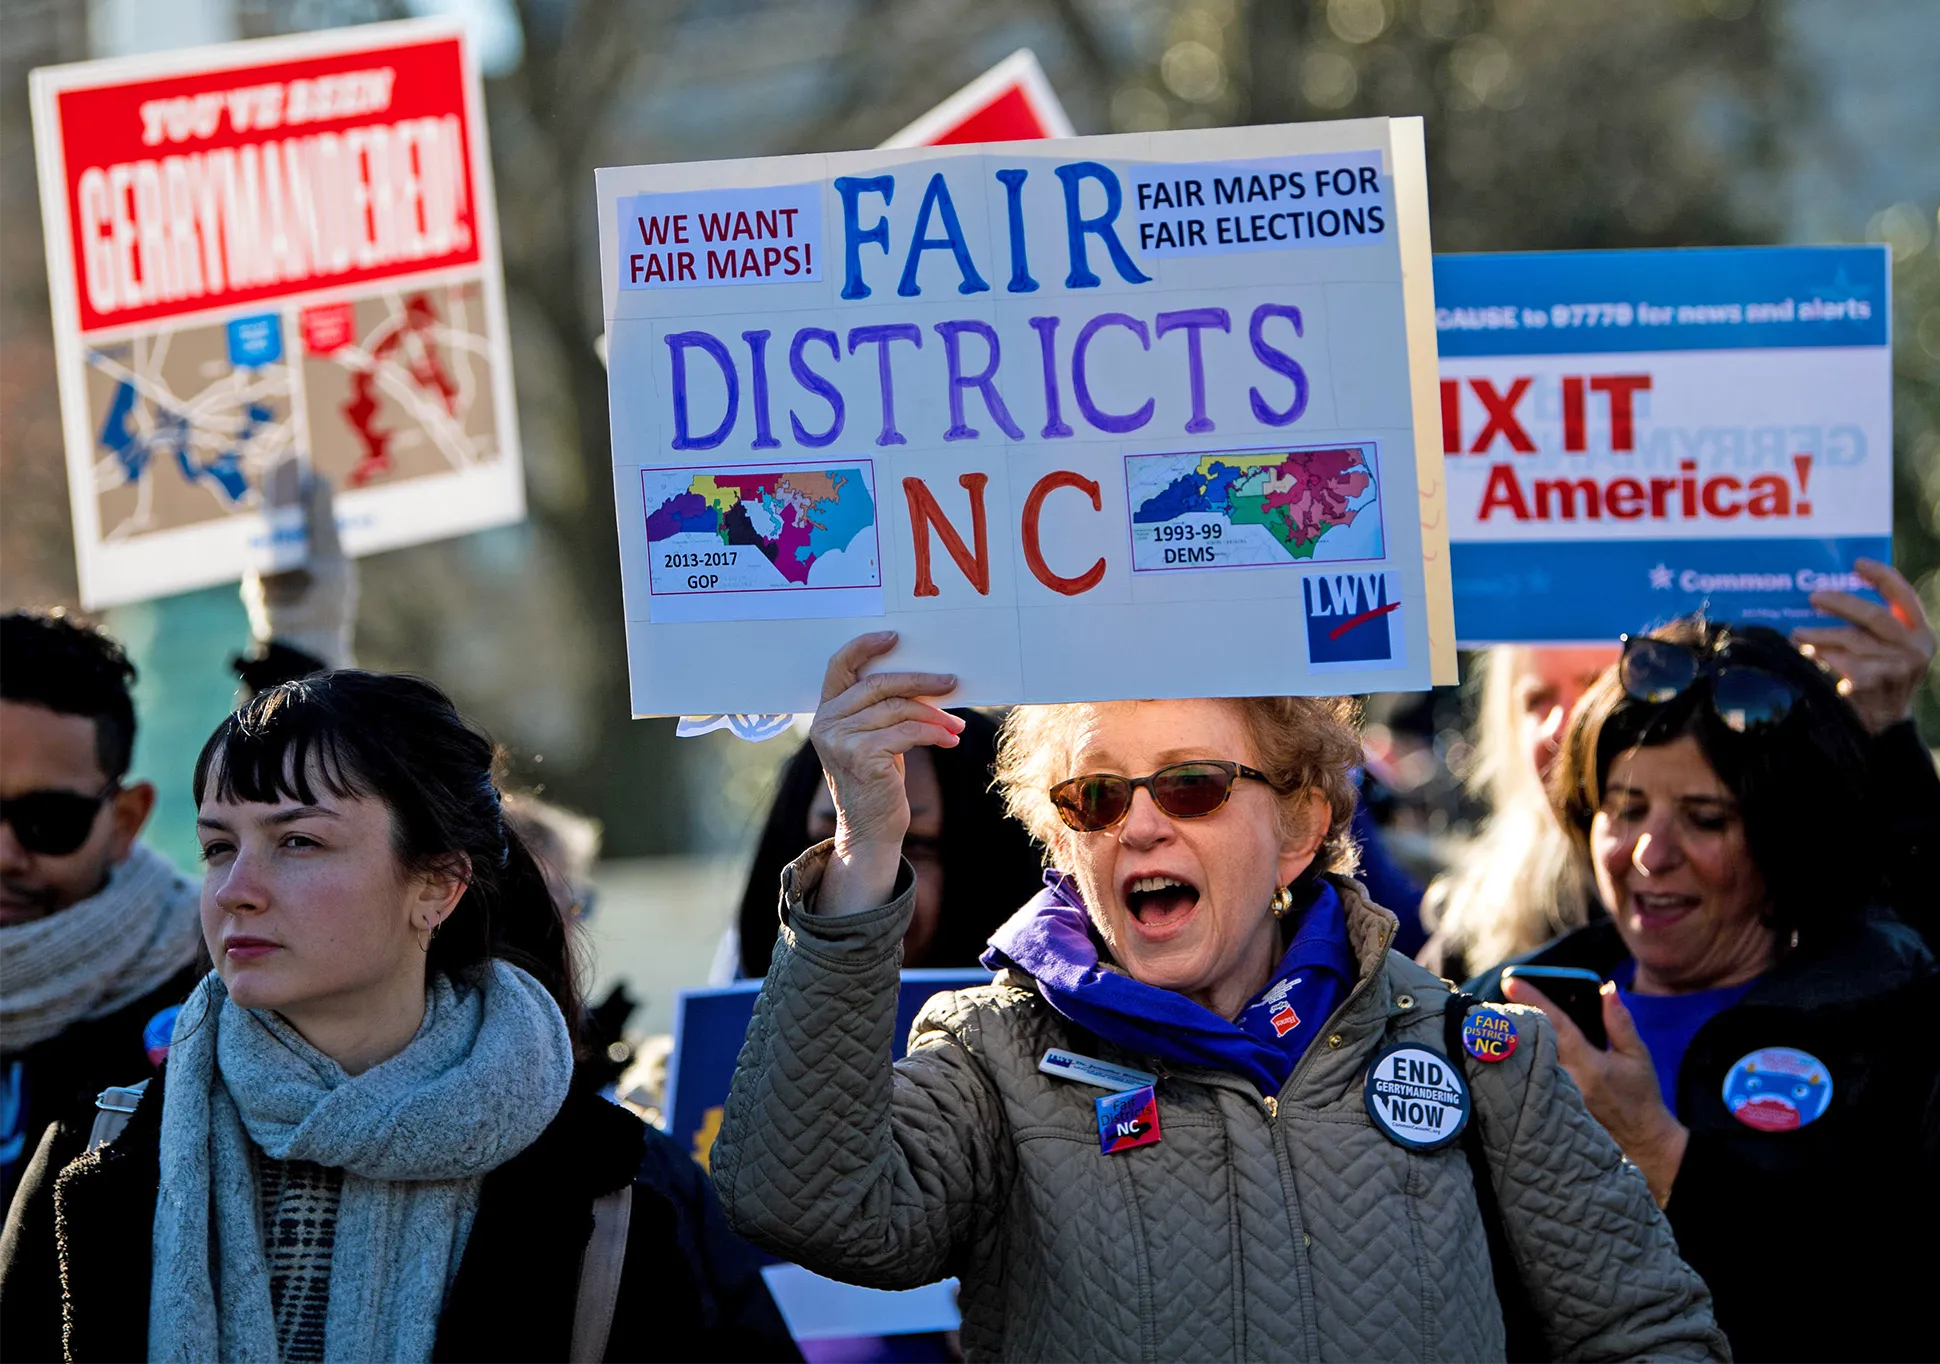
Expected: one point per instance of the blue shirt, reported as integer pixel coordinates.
(1667, 1023)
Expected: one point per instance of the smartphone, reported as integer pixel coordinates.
(1577, 992)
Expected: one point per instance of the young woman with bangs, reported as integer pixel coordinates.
(363, 1144)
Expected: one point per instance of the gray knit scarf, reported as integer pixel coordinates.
(415, 1136)
(99, 954)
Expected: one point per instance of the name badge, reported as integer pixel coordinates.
(1087, 1070)
(1416, 1097)
(1127, 1119)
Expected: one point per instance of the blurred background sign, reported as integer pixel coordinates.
(264, 259)
(829, 1319)
(1632, 436)
(1011, 102)
(710, 1024)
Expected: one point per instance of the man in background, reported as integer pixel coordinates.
(99, 935)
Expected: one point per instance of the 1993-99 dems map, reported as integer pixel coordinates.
(1254, 509)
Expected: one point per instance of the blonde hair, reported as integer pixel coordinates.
(1303, 743)
(1521, 881)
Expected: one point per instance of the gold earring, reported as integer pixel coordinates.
(1283, 902)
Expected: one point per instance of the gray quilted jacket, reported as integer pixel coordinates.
(1254, 1229)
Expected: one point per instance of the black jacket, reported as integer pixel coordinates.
(52, 1079)
(1906, 799)
(1816, 1242)
(77, 1249)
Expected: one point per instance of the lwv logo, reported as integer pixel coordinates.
(1347, 617)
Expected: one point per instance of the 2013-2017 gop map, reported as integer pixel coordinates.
(762, 529)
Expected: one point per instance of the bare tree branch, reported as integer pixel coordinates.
(1105, 73)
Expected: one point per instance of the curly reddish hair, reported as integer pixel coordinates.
(1302, 743)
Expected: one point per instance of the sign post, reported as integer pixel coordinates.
(266, 258)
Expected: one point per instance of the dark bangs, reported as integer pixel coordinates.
(282, 745)
(1636, 724)
(399, 740)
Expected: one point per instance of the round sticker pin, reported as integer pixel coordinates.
(1416, 1097)
(1778, 1089)
(1489, 1036)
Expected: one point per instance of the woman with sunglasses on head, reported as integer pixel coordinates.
(1202, 1111)
(1520, 882)
(363, 1144)
(1769, 1064)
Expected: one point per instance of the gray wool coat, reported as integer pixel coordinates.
(1285, 1228)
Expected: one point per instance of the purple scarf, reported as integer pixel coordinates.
(1051, 940)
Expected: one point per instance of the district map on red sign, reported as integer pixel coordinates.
(190, 423)
(1254, 509)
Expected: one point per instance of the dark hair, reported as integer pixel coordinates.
(989, 866)
(1789, 779)
(67, 667)
(401, 741)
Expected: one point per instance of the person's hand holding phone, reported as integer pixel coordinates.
(1619, 1083)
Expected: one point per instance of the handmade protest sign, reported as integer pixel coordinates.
(1012, 101)
(1131, 416)
(1632, 436)
(265, 258)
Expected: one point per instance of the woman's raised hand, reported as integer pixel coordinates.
(865, 724)
(1619, 1085)
(1884, 653)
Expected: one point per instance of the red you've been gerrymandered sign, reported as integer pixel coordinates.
(226, 187)
(270, 261)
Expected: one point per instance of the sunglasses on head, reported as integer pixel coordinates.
(1099, 800)
(1745, 698)
(53, 823)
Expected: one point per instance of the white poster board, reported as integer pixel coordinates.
(266, 258)
(1129, 416)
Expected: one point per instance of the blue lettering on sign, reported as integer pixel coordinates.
(937, 199)
(1077, 227)
(852, 188)
(1348, 617)
(1081, 230)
